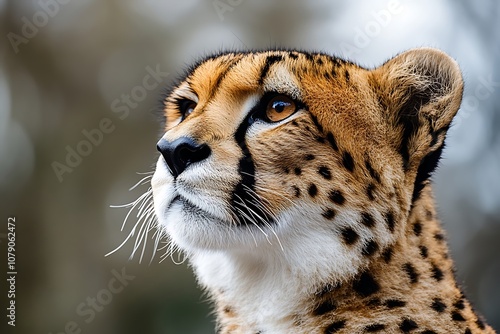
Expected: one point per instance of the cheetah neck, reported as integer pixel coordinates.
(408, 285)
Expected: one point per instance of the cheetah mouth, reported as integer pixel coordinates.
(192, 208)
(239, 217)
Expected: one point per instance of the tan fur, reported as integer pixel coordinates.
(405, 282)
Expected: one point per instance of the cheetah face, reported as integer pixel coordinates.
(281, 148)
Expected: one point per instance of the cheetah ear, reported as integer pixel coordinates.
(420, 92)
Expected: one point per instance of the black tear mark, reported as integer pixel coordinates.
(244, 202)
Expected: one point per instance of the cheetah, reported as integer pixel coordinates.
(297, 185)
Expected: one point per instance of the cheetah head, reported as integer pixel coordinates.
(297, 151)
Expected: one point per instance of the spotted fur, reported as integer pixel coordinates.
(322, 222)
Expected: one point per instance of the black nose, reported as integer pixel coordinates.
(181, 153)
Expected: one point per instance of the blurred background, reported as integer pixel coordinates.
(80, 84)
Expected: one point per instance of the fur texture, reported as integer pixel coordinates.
(322, 222)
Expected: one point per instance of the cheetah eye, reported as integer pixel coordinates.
(186, 107)
(279, 108)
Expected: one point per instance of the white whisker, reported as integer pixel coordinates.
(157, 240)
(123, 205)
(145, 173)
(258, 201)
(233, 216)
(251, 219)
(139, 200)
(147, 230)
(138, 238)
(149, 195)
(145, 223)
(179, 253)
(143, 181)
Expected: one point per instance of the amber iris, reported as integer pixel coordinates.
(279, 108)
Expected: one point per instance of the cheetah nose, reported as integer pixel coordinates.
(181, 153)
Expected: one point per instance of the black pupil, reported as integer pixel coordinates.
(188, 108)
(279, 106)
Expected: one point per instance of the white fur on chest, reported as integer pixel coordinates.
(268, 285)
(255, 293)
